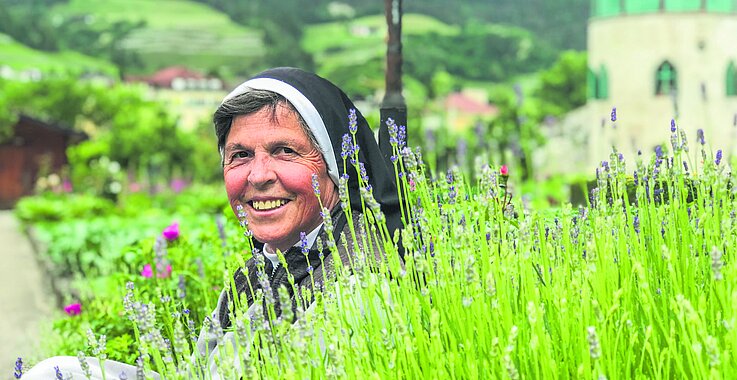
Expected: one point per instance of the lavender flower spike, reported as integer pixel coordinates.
(614, 113)
(18, 368)
(315, 185)
(352, 121)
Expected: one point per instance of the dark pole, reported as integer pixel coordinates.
(392, 106)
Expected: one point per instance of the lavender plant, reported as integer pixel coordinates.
(638, 284)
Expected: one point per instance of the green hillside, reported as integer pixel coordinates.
(174, 32)
(368, 30)
(20, 57)
(352, 52)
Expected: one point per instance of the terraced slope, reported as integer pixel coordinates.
(18, 57)
(175, 32)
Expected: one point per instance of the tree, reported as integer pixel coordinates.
(563, 87)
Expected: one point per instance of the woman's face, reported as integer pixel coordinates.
(268, 170)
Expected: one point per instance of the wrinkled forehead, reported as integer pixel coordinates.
(305, 108)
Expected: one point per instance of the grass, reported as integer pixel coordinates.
(492, 288)
(20, 57)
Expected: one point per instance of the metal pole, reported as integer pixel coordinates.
(393, 105)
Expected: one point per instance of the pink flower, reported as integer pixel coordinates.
(171, 232)
(411, 184)
(504, 170)
(66, 186)
(73, 309)
(177, 185)
(164, 273)
(147, 271)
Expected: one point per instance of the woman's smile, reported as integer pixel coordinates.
(268, 204)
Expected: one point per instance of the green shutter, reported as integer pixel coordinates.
(731, 83)
(591, 84)
(682, 5)
(605, 8)
(642, 6)
(720, 5)
(603, 84)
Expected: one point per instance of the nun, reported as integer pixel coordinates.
(286, 172)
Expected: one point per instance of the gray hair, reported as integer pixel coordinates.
(248, 103)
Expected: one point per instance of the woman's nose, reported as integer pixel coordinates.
(262, 172)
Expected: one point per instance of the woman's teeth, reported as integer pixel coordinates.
(267, 205)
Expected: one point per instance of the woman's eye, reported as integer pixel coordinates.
(240, 154)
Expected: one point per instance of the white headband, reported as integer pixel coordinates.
(305, 108)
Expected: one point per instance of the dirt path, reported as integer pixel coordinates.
(24, 300)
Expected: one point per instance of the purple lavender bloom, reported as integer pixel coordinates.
(402, 136)
(352, 121)
(346, 146)
(672, 125)
(685, 166)
(315, 185)
(700, 136)
(182, 285)
(221, 229)
(362, 171)
(59, 375)
(636, 224)
(614, 114)
(659, 152)
(719, 157)
(303, 243)
(18, 368)
(393, 131)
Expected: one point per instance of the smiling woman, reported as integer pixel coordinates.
(279, 136)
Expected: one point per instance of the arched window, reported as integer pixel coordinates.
(603, 87)
(665, 79)
(731, 79)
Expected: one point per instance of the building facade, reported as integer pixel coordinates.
(657, 60)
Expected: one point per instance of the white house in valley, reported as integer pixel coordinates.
(654, 60)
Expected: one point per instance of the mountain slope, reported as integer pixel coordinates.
(173, 32)
(19, 57)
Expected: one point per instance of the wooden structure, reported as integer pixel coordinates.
(33, 145)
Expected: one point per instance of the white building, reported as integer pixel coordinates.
(654, 60)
